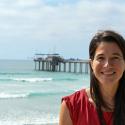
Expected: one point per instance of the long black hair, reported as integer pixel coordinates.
(119, 110)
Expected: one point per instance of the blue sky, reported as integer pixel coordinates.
(55, 26)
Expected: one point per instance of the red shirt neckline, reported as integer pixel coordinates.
(104, 112)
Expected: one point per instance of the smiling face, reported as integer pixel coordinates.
(108, 64)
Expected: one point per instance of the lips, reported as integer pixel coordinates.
(108, 73)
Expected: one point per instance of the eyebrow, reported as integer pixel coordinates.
(116, 54)
(98, 55)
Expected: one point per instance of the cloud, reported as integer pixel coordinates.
(57, 23)
(78, 19)
(27, 3)
(39, 20)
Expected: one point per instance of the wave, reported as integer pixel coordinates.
(32, 79)
(37, 79)
(5, 95)
(12, 95)
(23, 122)
(14, 73)
(68, 79)
(27, 79)
(51, 119)
(50, 93)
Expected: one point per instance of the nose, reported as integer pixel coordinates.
(107, 63)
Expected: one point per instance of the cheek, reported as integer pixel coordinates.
(120, 67)
(96, 66)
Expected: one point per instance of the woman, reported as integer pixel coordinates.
(104, 102)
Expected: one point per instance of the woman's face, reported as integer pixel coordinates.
(108, 64)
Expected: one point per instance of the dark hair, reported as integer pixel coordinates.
(119, 110)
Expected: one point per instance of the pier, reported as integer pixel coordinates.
(55, 63)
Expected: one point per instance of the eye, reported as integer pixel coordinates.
(101, 58)
(116, 58)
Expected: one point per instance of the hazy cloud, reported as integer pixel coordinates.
(57, 23)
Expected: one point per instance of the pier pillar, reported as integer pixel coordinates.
(86, 68)
(39, 65)
(75, 67)
(64, 67)
(49, 66)
(59, 66)
(35, 65)
(53, 67)
(80, 67)
(69, 66)
(42, 65)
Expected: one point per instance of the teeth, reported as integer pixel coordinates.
(108, 73)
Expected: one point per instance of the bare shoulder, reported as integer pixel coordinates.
(89, 95)
(64, 118)
(87, 90)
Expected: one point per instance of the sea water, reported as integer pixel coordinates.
(29, 97)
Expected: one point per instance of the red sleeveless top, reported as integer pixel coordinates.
(82, 111)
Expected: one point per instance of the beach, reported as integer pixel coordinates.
(29, 97)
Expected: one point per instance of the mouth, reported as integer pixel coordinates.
(108, 73)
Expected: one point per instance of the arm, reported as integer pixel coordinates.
(64, 118)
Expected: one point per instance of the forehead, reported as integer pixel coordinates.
(107, 48)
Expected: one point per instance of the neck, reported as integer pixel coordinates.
(108, 94)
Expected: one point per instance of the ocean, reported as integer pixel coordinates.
(29, 97)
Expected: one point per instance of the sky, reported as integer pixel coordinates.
(66, 27)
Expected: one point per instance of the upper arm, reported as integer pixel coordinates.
(64, 118)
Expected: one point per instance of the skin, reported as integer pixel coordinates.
(108, 66)
(64, 118)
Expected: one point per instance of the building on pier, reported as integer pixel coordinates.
(56, 63)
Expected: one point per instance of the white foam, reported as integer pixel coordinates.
(32, 79)
(31, 121)
(13, 95)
